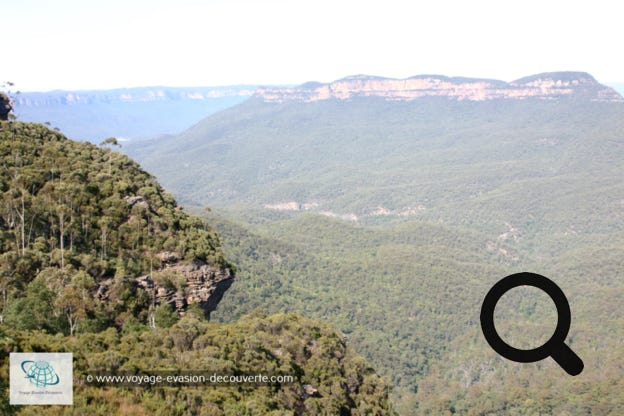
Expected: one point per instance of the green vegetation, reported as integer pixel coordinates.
(541, 166)
(6, 102)
(280, 345)
(74, 215)
(375, 285)
(75, 218)
(446, 198)
(449, 198)
(408, 297)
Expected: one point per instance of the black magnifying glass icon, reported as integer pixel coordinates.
(555, 347)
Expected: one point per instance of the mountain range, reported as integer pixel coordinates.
(546, 86)
(126, 112)
(137, 113)
(434, 158)
(388, 207)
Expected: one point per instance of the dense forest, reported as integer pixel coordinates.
(73, 215)
(540, 165)
(329, 378)
(79, 218)
(391, 219)
(408, 298)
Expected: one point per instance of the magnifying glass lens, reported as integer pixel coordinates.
(525, 317)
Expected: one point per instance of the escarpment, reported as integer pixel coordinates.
(546, 86)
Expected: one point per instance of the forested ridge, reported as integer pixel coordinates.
(74, 214)
(77, 217)
(329, 378)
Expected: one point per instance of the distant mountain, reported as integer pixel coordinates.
(127, 112)
(544, 86)
(507, 160)
(389, 207)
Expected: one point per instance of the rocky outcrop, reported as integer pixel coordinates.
(203, 284)
(136, 200)
(542, 86)
(292, 206)
(5, 107)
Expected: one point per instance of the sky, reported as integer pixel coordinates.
(78, 44)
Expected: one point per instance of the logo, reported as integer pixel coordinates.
(555, 347)
(40, 373)
(41, 378)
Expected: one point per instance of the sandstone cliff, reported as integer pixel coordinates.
(203, 284)
(545, 86)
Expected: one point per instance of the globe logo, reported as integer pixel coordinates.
(40, 373)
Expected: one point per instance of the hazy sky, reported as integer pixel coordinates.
(79, 44)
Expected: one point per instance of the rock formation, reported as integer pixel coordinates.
(5, 107)
(204, 284)
(545, 86)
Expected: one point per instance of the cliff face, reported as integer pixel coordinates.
(203, 284)
(545, 86)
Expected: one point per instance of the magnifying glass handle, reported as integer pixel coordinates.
(568, 360)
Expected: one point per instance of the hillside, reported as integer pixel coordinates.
(96, 259)
(77, 218)
(494, 165)
(408, 297)
(328, 377)
(391, 215)
(374, 284)
(619, 87)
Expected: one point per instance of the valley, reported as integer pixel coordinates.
(387, 208)
(390, 214)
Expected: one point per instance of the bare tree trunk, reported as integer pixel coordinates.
(152, 315)
(73, 322)
(12, 225)
(32, 223)
(151, 319)
(4, 304)
(103, 252)
(22, 221)
(61, 217)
